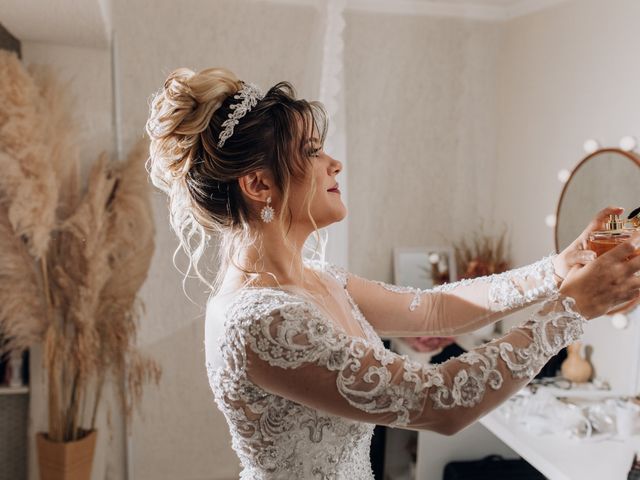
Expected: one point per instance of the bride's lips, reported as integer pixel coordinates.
(334, 189)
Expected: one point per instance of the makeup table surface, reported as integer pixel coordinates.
(563, 458)
(555, 456)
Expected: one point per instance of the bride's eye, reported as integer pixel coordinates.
(314, 152)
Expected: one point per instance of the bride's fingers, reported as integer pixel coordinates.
(611, 209)
(630, 295)
(632, 284)
(602, 216)
(580, 257)
(624, 250)
(633, 265)
(596, 224)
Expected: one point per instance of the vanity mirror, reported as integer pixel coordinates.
(608, 176)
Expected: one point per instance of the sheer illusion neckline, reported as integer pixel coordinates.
(352, 311)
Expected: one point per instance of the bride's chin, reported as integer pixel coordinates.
(330, 216)
(331, 220)
(339, 217)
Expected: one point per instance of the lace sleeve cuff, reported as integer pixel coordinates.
(522, 286)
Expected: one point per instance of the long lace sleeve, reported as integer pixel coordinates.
(293, 351)
(452, 308)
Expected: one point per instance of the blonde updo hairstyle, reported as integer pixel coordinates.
(201, 180)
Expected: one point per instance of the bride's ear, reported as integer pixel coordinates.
(257, 186)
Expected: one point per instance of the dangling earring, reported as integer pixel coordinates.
(267, 212)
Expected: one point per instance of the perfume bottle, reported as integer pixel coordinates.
(616, 231)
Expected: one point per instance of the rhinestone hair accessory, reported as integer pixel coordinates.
(248, 95)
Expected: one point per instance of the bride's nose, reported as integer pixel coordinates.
(336, 165)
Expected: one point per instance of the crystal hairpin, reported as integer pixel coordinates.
(248, 95)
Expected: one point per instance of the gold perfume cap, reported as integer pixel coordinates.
(614, 223)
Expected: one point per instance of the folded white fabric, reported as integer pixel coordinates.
(542, 413)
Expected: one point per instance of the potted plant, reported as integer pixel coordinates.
(73, 262)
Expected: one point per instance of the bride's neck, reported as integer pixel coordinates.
(285, 265)
(271, 257)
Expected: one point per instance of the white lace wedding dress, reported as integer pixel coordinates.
(301, 395)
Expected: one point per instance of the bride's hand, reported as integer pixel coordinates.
(608, 281)
(577, 253)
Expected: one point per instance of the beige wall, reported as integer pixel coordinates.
(421, 122)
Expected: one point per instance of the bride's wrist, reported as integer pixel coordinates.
(557, 278)
(558, 272)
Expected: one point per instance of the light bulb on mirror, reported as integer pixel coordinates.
(619, 321)
(550, 220)
(564, 175)
(591, 145)
(628, 143)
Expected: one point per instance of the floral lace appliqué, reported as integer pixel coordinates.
(277, 438)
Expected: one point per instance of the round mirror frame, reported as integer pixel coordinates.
(634, 157)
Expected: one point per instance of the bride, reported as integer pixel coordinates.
(293, 350)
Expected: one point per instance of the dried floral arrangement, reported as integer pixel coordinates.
(73, 259)
(485, 254)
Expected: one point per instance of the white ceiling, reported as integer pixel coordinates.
(87, 22)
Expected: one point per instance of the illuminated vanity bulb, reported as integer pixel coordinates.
(564, 175)
(591, 145)
(434, 258)
(628, 143)
(550, 220)
(619, 321)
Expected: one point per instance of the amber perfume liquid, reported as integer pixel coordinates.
(603, 242)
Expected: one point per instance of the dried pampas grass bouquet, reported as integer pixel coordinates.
(73, 257)
(484, 254)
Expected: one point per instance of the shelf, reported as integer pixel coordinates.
(6, 390)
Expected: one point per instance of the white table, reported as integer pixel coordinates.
(561, 458)
(555, 456)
